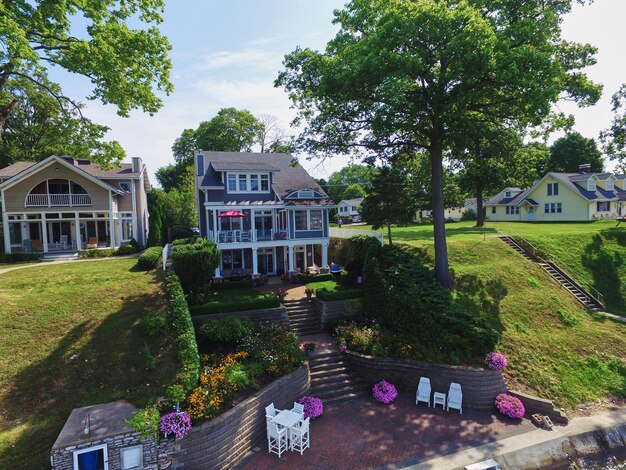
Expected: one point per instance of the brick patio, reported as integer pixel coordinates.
(363, 434)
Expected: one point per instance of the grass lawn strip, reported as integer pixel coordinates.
(70, 337)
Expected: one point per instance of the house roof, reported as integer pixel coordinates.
(501, 198)
(125, 169)
(570, 179)
(289, 176)
(357, 201)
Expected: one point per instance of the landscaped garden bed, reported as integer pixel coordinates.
(223, 299)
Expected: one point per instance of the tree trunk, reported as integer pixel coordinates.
(389, 233)
(442, 270)
(480, 212)
(5, 112)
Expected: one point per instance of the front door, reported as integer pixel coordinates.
(300, 258)
(531, 213)
(266, 261)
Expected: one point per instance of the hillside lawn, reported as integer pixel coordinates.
(571, 365)
(70, 337)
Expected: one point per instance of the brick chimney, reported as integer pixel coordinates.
(585, 168)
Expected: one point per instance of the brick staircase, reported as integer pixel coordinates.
(331, 378)
(302, 317)
(559, 276)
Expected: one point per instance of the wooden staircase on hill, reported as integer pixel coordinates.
(331, 378)
(302, 317)
(558, 275)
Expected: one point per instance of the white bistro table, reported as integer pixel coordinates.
(439, 399)
(288, 419)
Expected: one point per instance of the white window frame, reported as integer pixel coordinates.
(306, 194)
(591, 185)
(105, 455)
(507, 194)
(610, 186)
(241, 179)
(140, 447)
(127, 217)
(308, 221)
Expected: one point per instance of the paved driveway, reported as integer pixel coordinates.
(363, 434)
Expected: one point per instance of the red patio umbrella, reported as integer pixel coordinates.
(232, 213)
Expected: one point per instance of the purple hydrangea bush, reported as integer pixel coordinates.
(495, 361)
(510, 406)
(178, 424)
(313, 407)
(384, 392)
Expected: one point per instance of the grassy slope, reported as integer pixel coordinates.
(570, 365)
(69, 337)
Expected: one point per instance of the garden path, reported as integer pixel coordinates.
(363, 434)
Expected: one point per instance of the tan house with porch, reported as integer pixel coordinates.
(62, 204)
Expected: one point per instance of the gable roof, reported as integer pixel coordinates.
(501, 197)
(357, 201)
(570, 179)
(21, 170)
(288, 175)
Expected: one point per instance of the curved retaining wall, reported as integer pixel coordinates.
(223, 441)
(271, 315)
(480, 386)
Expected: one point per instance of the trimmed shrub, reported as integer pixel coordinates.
(328, 296)
(270, 301)
(230, 285)
(194, 264)
(126, 250)
(184, 241)
(20, 257)
(149, 259)
(188, 357)
(179, 231)
(307, 278)
(95, 253)
(226, 330)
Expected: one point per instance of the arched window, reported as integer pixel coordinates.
(58, 193)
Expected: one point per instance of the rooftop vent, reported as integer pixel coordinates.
(584, 168)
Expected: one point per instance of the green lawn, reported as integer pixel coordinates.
(569, 364)
(70, 337)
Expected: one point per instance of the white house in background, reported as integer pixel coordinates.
(451, 213)
(563, 197)
(64, 204)
(350, 207)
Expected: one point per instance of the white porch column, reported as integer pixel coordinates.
(252, 227)
(290, 258)
(77, 231)
(324, 255)
(44, 232)
(111, 222)
(135, 226)
(208, 226)
(255, 262)
(7, 237)
(219, 267)
(215, 234)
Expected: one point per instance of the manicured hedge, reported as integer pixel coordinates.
(94, 253)
(19, 257)
(306, 278)
(328, 296)
(194, 265)
(208, 309)
(149, 259)
(189, 359)
(230, 285)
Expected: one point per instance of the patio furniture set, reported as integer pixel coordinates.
(453, 400)
(287, 429)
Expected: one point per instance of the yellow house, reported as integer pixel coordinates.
(562, 197)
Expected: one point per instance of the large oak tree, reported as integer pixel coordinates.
(409, 75)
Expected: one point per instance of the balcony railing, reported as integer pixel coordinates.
(244, 236)
(58, 200)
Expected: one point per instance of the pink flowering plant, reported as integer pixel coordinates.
(384, 392)
(343, 347)
(178, 424)
(495, 361)
(313, 407)
(510, 406)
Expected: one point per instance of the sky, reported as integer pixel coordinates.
(228, 54)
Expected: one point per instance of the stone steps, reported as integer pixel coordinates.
(331, 378)
(302, 317)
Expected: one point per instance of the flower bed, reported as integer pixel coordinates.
(510, 406)
(384, 392)
(178, 424)
(313, 407)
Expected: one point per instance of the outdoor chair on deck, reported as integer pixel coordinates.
(92, 242)
(313, 269)
(299, 436)
(299, 409)
(455, 397)
(63, 242)
(27, 245)
(423, 391)
(277, 441)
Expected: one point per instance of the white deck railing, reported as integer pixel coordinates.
(351, 232)
(58, 200)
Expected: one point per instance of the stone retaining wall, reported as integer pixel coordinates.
(540, 405)
(272, 315)
(223, 441)
(327, 311)
(480, 386)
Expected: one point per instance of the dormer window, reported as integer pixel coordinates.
(609, 185)
(248, 182)
(591, 185)
(507, 194)
(306, 194)
(125, 187)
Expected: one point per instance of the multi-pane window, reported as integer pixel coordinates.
(553, 189)
(604, 206)
(511, 210)
(254, 182)
(309, 220)
(248, 183)
(301, 220)
(493, 210)
(553, 208)
(609, 185)
(315, 220)
(127, 225)
(265, 182)
(232, 183)
(243, 183)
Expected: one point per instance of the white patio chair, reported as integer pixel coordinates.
(300, 436)
(298, 408)
(63, 242)
(277, 441)
(423, 391)
(455, 398)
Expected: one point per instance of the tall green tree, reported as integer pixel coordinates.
(354, 191)
(339, 181)
(114, 43)
(572, 150)
(390, 200)
(403, 75)
(231, 130)
(614, 138)
(184, 146)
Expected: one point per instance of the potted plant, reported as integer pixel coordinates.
(177, 394)
(175, 423)
(384, 392)
(281, 294)
(309, 291)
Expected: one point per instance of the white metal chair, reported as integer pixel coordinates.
(63, 242)
(423, 391)
(298, 408)
(277, 441)
(455, 398)
(271, 411)
(299, 436)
